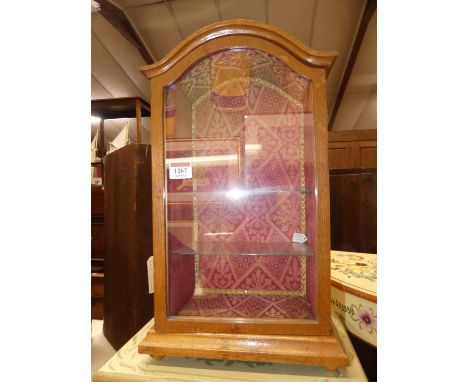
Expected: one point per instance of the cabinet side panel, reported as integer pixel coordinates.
(323, 199)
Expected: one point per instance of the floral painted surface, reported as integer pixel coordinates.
(356, 270)
(365, 317)
(129, 365)
(354, 292)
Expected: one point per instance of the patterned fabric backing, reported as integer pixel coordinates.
(259, 114)
(248, 111)
(217, 68)
(247, 306)
(263, 275)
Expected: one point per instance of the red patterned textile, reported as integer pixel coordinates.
(254, 273)
(249, 133)
(247, 306)
(267, 204)
(209, 71)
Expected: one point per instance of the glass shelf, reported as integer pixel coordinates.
(238, 192)
(239, 248)
(236, 195)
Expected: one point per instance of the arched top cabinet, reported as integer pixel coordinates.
(241, 231)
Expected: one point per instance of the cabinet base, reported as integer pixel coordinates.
(325, 351)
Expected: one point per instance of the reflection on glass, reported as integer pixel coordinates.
(240, 119)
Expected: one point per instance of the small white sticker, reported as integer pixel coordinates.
(149, 266)
(299, 238)
(180, 170)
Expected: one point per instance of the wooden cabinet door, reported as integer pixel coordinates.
(352, 149)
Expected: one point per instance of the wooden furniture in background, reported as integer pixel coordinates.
(353, 210)
(97, 222)
(353, 222)
(352, 149)
(128, 242)
(97, 295)
(110, 108)
(353, 206)
(125, 107)
(223, 82)
(97, 252)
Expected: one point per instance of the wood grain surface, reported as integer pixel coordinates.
(128, 241)
(283, 340)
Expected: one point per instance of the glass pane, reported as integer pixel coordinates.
(240, 182)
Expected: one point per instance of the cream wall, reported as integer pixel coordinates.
(323, 25)
(358, 109)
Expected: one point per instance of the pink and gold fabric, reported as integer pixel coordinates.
(248, 137)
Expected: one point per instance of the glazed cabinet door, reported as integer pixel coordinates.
(240, 182)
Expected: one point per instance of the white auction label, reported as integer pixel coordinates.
(149, 267)
(180, 170)
(299, 238)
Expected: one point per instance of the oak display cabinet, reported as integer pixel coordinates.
(239, 167)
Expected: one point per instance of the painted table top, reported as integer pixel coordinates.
(354, 292)
(356, 272)
(128, 365)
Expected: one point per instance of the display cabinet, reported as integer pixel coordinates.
(124, 107)
(241, 237)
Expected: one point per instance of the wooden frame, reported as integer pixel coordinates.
(228, 337)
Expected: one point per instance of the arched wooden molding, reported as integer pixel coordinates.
(245, 28)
